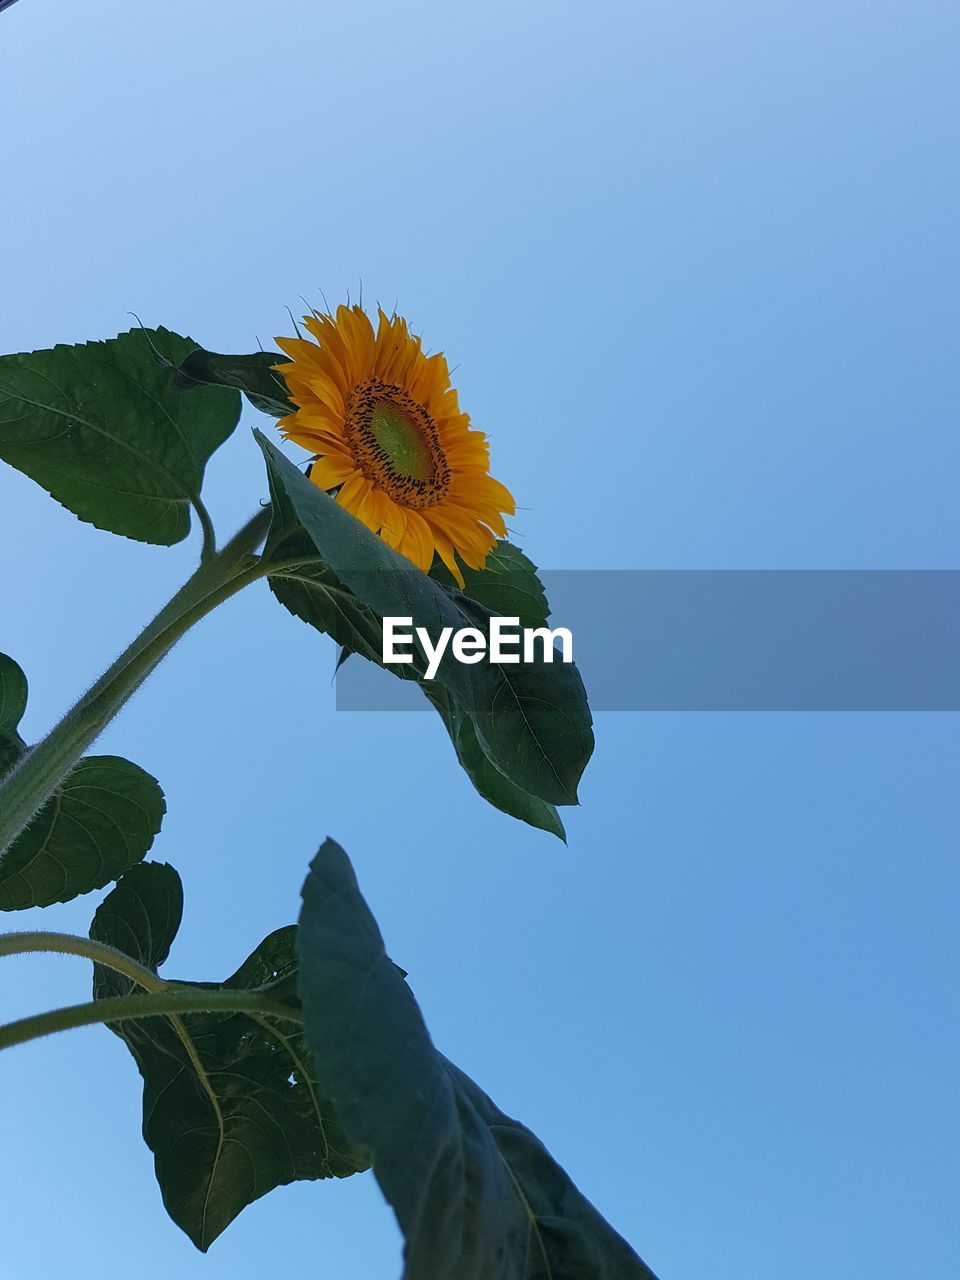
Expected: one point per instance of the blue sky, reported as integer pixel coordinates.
(696, 266)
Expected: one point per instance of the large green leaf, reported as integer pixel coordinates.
(100, 821)
(254, 375)
(477, 1195)
(100, 428)
(531, 720)
(311, 591)
(231, 1106)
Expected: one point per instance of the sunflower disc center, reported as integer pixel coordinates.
(396, 444)
(399, 436)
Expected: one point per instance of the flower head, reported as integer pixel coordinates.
(385, 428)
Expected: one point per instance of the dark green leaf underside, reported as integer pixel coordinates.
(100, 428)
(230, 1101)
(476, 1194)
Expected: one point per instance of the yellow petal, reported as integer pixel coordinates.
(333, 470)
(445, 552)
(417, 544)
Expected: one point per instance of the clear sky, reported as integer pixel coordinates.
(696, 266)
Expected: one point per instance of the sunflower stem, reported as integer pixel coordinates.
(38, 773)
(152, 1004)
(71, 944)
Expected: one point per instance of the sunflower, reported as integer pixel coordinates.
(386, 431)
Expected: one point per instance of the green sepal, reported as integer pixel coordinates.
(254, 375)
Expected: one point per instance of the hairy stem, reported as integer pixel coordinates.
(71, 944)
(40, 770)
(174, 999)
(209, 549)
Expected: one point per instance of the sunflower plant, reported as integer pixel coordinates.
(312, 1060)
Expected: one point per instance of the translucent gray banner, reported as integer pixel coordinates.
(740, 640)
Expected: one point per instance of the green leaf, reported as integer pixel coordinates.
(507, 584)
(254, 375)
(531, 720)
(495, 788)
(231, 1107)
(100, 821)
(99, 427)
(313, 593)
(476, 1194)
(13, 703)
